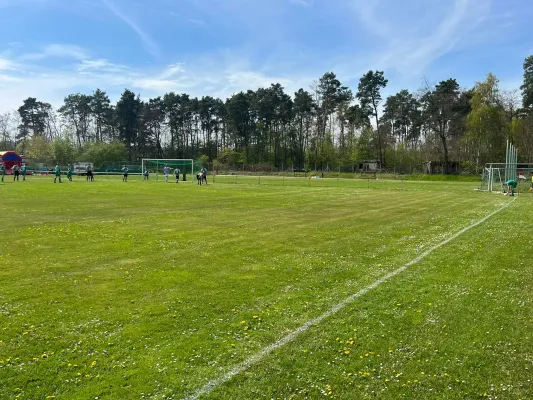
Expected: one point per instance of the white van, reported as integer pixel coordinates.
(80, 168)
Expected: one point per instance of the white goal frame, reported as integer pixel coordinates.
(147, 160)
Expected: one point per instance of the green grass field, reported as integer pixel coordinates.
(149, 290)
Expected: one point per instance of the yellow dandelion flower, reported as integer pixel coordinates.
(93, 363)
(346, 351)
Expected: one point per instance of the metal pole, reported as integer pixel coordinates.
(506, 159)
(515, 166)
(490, 179)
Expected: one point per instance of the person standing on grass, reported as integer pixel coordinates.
(16, 173)
(204, 174)
(24, 172)
(125, 176)
(146, 174)
(57, 170)
(90, 174)
(177, 174)
(166, 171)
(2, 171)
(69, 173)
(511, 186)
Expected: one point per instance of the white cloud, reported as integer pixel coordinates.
(172, 70)
(147, 40)
(305, 3)
(58, 51)
(213, 75)
(411, 51)
(87, 66)
(6, 64)
(154, 85)
(196, 21)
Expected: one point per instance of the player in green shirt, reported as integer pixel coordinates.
(24, 171)
(511, 186)
(2, 171)
(58, 173)
(125, 176)
(69, 173)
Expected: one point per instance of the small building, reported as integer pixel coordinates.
(370, 165)
(437, 167)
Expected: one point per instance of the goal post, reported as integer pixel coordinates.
(157, 165)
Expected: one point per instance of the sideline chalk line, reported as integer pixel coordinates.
(208, 387)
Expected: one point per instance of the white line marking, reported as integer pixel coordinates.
(208, 387)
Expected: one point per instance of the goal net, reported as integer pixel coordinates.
(187, 167)
(492, 179)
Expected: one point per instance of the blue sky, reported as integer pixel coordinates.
(51, 48)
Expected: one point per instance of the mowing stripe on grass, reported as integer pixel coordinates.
(213, 384)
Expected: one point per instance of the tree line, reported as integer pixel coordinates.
(327, 126)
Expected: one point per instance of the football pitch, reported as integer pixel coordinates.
(280, 289)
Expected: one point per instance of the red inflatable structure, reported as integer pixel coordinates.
(10, 159)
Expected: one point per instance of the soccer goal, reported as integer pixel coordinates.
(156, 166)
(493, 177)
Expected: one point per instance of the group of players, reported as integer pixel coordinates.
(23, 171)
(70, 171)
(125, 173)
(17, 172)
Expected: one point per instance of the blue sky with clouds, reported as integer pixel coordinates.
(50, 48)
